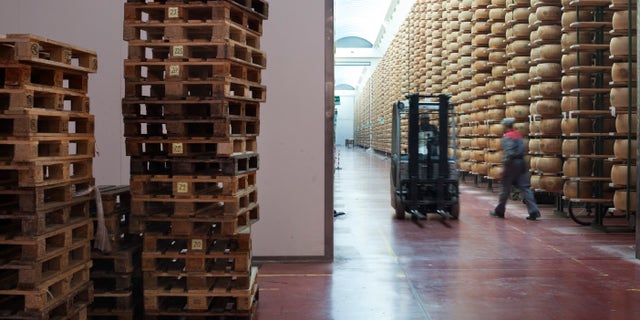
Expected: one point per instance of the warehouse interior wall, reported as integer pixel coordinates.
(345, 116)
(292, 180)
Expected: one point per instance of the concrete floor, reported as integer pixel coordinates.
(480, 267)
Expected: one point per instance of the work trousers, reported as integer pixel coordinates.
(515, 174)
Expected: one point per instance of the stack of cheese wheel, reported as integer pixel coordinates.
(451, 26)
(623, 100)
(545, 74)
(481, 74)
(586, 118)
(518, 52)
(464, 74)
(496, 88)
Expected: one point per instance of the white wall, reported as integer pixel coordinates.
(95, 25)
(291, 144)
(345, 118)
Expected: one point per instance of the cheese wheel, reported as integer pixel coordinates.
(620, 172)
(550, 145)
(549, 165)
(572, 125)
(622, 123)
(577, 189)
(624, 150)
(577, 167)
(620, 200)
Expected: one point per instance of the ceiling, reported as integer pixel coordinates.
(363, 30)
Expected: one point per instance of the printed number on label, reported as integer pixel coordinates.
(178, 51)
(174, 70)
(177, 148)
(196, 244)
(173, 12)
(183, 187)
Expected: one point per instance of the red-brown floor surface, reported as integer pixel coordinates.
(480, 267)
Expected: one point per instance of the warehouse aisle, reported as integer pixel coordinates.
(478, 268)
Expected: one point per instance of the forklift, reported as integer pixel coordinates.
(423, 175)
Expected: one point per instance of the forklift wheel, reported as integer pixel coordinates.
(455, 211)
(399, 208)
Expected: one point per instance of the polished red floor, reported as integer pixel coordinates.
(478, 268)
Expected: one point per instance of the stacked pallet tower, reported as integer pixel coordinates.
(46, 153)
(116, 271)
(545, 74)
(191, 112)
(623, 104)
(587, 124)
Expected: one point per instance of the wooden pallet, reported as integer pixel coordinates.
(24, 249)
(195, 51)
(237, 296)
(190, 148)
(44, 173)
(193, 254)
(42, 198)
(125, 260)
(18, 75)
(47, 148)
(202, 225)
(232, 206)
(218, 88)
(190, 282)
(153, 70)
(42, 122)
(116, 199)
(136, 108)
(200, 166)
(49, 293)
(70, 309)
(42, 51)
(39, 222)
(116, 305)
(191, 128)
(215, 225)
(191, 186)
(43, 97)
(29, 274)
(112, 282)
(249, 14)
(180, 31)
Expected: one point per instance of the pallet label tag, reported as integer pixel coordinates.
(177, 148)
(174, 70)
(173, 12)
(183, 187)
(178, 51)
(196, 244)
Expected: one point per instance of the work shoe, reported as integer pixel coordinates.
(533, 216)
(495, 214)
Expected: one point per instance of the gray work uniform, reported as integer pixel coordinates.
(515, 173)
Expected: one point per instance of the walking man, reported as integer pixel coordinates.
(515, 172)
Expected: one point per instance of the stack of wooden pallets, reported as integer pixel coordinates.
(46, 154)
(116, 274)
(191, 113)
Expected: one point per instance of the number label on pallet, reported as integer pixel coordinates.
(174, 70)
(173, 12)
(183, 187)
(178, 51)
(197, 244)
(177, 148)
